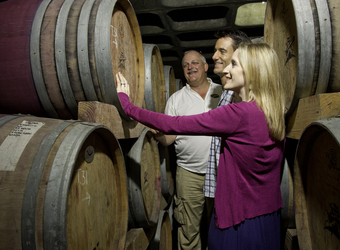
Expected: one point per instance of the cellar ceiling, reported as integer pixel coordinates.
(176, 26)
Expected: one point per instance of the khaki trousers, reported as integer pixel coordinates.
(190, 209)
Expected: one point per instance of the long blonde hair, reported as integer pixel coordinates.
(264, 85)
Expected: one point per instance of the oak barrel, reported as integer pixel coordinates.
(17, 90)
(162, 238)
(317, 185)
(144, 181)
(154, 79)
(334, 78)
(179, 84)
(287, 188)
(170, 80)
(167, 180)
(66, 51)
(63, 185)
(109, 41)
(304, 33)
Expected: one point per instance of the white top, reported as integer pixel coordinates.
(193, 151)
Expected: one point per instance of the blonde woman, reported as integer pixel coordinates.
(248, 197)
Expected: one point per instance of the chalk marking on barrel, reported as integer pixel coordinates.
(114, 34)
(289, 49)
(122, 60)
(87, 198)
(15, 143)
(83, 177)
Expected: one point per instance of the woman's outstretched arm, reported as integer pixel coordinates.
(215, 122)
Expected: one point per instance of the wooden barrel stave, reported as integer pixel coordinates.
(316, 185)
(118, 48)
(71, 51)
(323, 29)
(32, 225)
(16, 18)
(36, 62)
(287, 188)
(48, 60)
(293, 29)
(170, 81)
(179, 84)
(61, 62)
(334, 81)
(161, 235)
(56, 61)
(85, 32)
(144, 181)
(167, 181)
(16, 181)
(154, 95)
(66, 162)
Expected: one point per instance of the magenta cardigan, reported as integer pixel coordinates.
(248, 178)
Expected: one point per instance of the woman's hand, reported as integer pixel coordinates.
(121, 84)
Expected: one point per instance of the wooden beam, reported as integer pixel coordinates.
(136, 239)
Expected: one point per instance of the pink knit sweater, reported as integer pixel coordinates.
(248, 178)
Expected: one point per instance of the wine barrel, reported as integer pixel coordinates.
(316, 185)
(304, 35)
(144, 181)
(179, 84)
(73, 49)
(286, 185)
(170, 81)
(17, 90)
(334, 81)
(154, 79)
(118, 48)
(162, 239)
(63, 185)
(167, 180)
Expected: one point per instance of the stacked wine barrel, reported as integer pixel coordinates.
(77, 173)
(68, 180)
(305, 34)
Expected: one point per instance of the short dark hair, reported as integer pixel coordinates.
(237, 36)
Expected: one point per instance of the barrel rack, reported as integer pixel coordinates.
(108, 115)
(325, 106)
(311, 109)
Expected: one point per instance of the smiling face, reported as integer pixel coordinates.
(223, 52)
(194, 69)
(234, 75)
